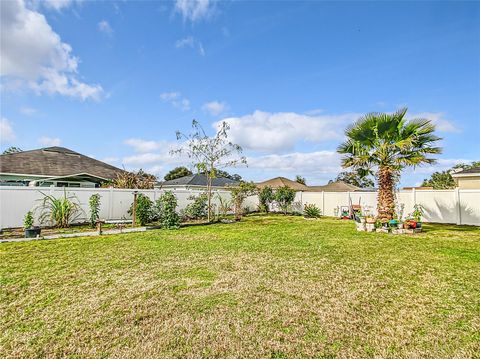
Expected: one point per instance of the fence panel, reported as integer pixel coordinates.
(448, 206)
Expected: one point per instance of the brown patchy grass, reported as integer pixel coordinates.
(269, 286)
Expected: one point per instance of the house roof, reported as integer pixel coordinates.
(467, 172)
(199, 180)
(281, 182)
(338, 186)
(55, 162)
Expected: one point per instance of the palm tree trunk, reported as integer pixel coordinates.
(386, 193)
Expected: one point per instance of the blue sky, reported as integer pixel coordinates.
(115, 80)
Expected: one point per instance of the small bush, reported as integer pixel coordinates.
(143, 210)
(285, 196)
(94, 203)
(198, 208)
(28, 220)
(224, 206)
(265, 197)
(311, 211)
(170, 218)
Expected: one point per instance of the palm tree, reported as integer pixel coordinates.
(385, 144)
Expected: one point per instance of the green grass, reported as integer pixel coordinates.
(269, 286)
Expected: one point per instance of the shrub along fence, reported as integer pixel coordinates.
(446, 206)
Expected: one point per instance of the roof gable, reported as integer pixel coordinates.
(55, 161)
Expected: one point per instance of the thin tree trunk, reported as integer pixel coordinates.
(209, 195)
(386, 193)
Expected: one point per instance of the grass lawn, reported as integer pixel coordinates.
(269, 286)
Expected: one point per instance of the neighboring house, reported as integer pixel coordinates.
(338, 186)
(467, 179)
(282, 182)
(196, 181)
(54, 166)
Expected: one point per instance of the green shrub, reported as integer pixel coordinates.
(224, 206)
(143, 209)
(311, 211)
(265, 197)
(170, 218)
(94, 203)
(60, 212)
(198, 208)
(285, 196)
(28, 220)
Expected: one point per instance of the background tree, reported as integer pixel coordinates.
(133, 180)
(387, 143)
(355, 178)
(210, 154)
(177, 172)
(12, 149)
(440, 180)
(300, 180)
(444, 179)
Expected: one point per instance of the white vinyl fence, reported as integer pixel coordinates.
(448, 206)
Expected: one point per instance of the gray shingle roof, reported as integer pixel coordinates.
(55, 161)
(199, 180)
(470, 170)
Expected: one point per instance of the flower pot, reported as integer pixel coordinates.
(419, 225)
(33, 232)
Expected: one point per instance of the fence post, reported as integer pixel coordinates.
(110, 203)
(458, 208)
(414, 198)
(323, 203)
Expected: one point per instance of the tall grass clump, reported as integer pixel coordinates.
(60, 212)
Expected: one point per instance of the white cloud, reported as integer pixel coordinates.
(33, 56)
(281, 131)
(6, 131)
(58, 5)
(110, 160)
(438, 118)
(194, 10)
(313, 164)
(49, 141)
(104, 26)
(176, 99)
(28, 111)
(190, 42)
(215, 107)
(140, 145)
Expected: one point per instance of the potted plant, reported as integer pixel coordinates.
(30, 230)
(417, 215)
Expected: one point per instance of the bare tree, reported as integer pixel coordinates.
(209, 154)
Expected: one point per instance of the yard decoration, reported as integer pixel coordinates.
(385, 144)
(209, 154)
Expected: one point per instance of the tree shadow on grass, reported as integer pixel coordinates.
(432, 227)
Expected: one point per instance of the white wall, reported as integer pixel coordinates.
(449, 206)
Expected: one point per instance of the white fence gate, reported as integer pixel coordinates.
(448, 206)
